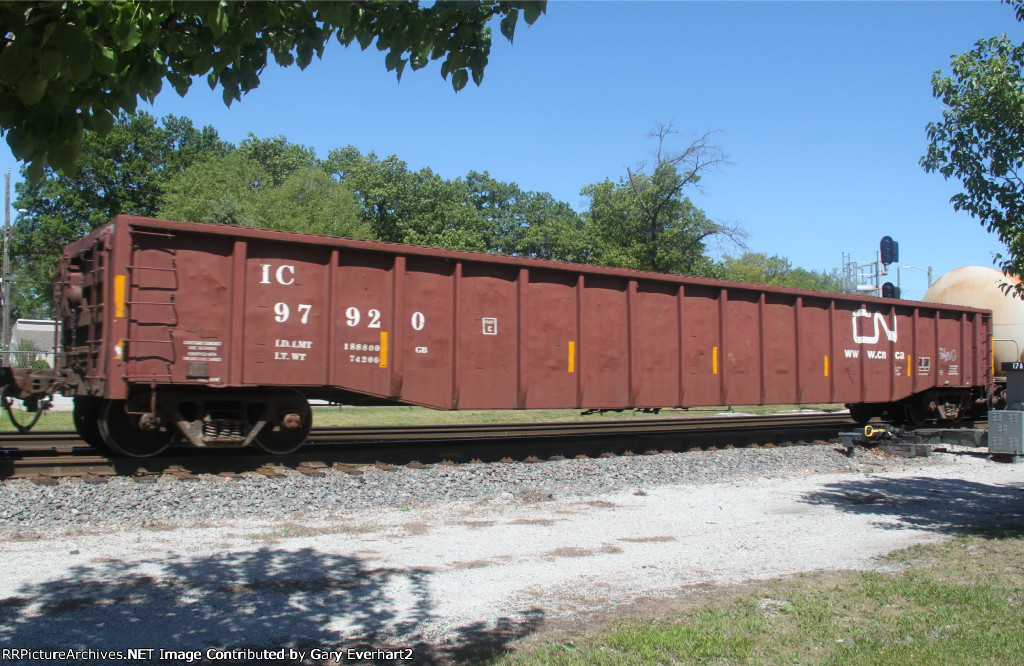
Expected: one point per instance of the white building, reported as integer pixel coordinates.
(36, 338)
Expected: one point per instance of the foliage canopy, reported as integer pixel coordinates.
(171, 169)
(67, 67)
(980, 139)
(645, 222)
(759, 268)
(121, 172)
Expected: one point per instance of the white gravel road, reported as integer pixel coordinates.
(453, 577)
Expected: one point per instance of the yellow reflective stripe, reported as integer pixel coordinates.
(120, 282)
(572, 356)
(826, 365)
(992, 352)
(383, 349)
(714, 360)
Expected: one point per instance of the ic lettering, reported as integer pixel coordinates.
(279, 274)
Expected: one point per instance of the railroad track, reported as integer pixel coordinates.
(50, 454)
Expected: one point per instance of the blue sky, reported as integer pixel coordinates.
(821, 108)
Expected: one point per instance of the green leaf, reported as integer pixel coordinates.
(419, 60)
(105, 61)
(50, 63)
(102, 122)
(31, 89)
(393, 60)
(284, 58)
(231, 94)
(200, 65)
(219, 25)
(81, 69)
(508, 24)
(304, 55)
(180, 83)
(14, 60)
(459, 79)
(131, 37)
(532, 10)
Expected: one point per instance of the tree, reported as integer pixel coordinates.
(70, 67)
(381, 187)
(476, 213)
(759, 268)
(24, 356)
(220, 190)
(554, 231)
(644, 222)
(265, 183)
(278, 157)
(122, 172)
(980, 140)
(224, 188)
(403, 206)
(528, 224)
(756, 268)
(310, 201)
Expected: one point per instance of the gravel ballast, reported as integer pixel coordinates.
(124, 502)
(455, 559)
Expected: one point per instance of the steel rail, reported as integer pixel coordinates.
(65, 455)
(343, 447)
(563, 429)
(47, 439)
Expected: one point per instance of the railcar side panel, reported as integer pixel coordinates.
(604, 344)
(741, 349)
(176, 304)
(951, 351)
(285, 330)
(431, 329)
(925, 348)
(488, 357)
(189, 322)
(780, 349)
(362, 322)
(550, 372)
(702, 340)
(814, 368)
(656, 337)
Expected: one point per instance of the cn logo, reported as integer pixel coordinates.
(879, 322)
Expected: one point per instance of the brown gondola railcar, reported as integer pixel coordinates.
(219, 334)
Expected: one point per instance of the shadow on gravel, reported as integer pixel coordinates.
(948, 506)
(263, 599)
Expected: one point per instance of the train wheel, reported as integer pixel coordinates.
(86, 415)
(916, 415)
(125, 434)
(860, 413)
(288, 427)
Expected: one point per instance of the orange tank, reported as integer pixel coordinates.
(980, 287)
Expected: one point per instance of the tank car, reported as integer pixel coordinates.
(987, 288)
(218, 335)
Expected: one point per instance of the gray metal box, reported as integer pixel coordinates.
(1006, 432)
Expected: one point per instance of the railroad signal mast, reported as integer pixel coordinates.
(866, 277)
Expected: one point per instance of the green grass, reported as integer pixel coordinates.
(961, 602)
(48, 421)
(373, 416)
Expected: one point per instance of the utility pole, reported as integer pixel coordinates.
(7, 270)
